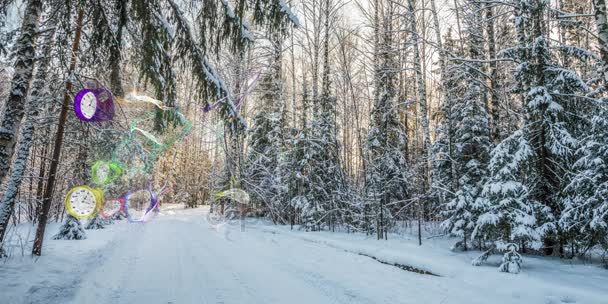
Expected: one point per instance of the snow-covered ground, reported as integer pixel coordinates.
(181, 258)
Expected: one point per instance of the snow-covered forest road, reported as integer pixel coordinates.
(179, 257)
(186, 260)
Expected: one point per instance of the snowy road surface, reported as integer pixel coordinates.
(181, 258)
(185, 260)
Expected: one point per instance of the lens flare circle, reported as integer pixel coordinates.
(235, 194)
(111, 207)
(83, 201)
(105, 172)
(241, 197)
(94, 105)
(141, 206)
(88, 105)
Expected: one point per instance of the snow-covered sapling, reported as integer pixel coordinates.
(478, 261)
(71, 230)
(118, 216)
(511, 261)
(97, 222)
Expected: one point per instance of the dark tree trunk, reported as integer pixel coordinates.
(24, 67)
(50, 187)
(9, 197)
(493, 96)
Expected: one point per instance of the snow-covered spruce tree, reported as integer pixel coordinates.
(283, 188)
(506, 210)
(385, 182)
(287, 177)
(585, 214)
(328, 184)
(586, 204)
(70, 230)
(445, 181)
(290, 183)
(156, 55)
(97, 222)
(511, 261)
(471, 138)
(265, 136)
(14, 107)
(299, 155)
(550, 87)
(532, 181)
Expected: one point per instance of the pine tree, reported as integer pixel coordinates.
(386, 165)
(300, 157)
(445, 181)
(586, 203)
(511, 261)
(545, 84)
(265, 138)
(529, 168)
(327, 181)
(471, 138)
(97, 222)
(507, 213)
(70, 230)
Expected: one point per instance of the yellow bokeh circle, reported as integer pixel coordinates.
(83, 201)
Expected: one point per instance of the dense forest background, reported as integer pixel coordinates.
(485, 118)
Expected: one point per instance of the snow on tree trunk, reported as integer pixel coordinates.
(602, 35)
(37, 95)
(24, 67)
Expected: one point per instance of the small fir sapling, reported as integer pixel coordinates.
(511, 261)
(71, 230)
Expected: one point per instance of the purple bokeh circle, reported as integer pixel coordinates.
(104, 110)
(151, 210)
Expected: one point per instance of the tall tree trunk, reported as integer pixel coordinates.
(7, 204)
(602, 35)
(426, 152)
(493, 96)
(459, 27)
(443, 62)
(24, 67)
(50, 186)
